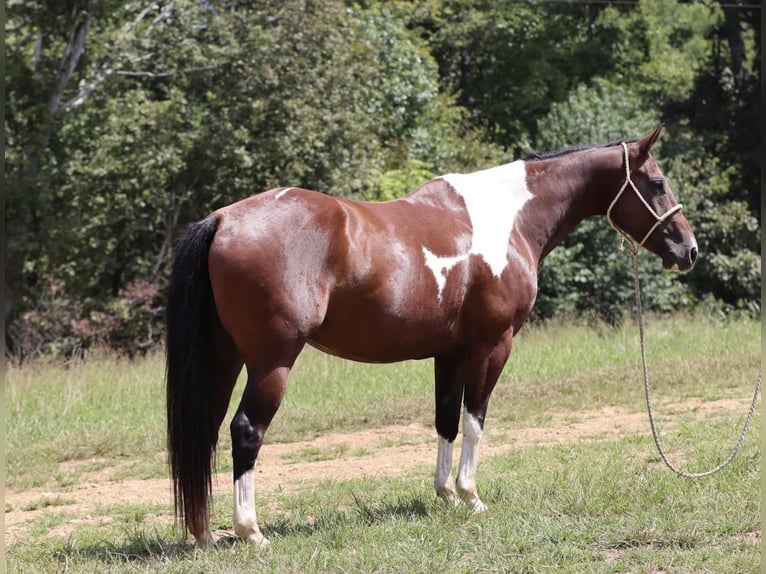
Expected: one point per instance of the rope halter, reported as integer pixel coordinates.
(658, 218)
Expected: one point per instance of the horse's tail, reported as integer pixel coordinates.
(188, 371)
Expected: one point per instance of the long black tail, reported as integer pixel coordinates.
(188, 372)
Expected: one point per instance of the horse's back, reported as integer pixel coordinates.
(348, 276)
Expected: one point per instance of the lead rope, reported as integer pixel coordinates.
(655, 434)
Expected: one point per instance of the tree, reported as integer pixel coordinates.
(76, 186)
(172, 109)
(509, 61)
(126, 120)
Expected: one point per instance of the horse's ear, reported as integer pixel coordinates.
(646, 143)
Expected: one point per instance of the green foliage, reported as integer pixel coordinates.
(508, 61)
(661, 46)
(597, 113)
(396, 183)
(322, 108)
(126, 121)
(728, 234)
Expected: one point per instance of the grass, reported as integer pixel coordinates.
(112, 410)
(47, 501)
(315, 453)
(585, 508)
(592, 506)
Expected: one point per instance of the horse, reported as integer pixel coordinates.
(449, 272)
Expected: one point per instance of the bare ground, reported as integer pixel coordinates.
(386, 451)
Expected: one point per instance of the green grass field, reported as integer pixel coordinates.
(596, 505)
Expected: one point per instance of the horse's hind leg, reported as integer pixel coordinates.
(262, 396)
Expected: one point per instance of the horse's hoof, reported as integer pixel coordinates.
(250, 533)
(476, 506)
(205, 541)
(449, 497)
(258, 540)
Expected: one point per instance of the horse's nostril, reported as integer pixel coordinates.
(693, 254)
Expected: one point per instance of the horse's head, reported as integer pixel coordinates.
(646, 210)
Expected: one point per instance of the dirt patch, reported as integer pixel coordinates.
(386, 451)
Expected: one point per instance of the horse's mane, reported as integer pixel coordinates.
(571, 149)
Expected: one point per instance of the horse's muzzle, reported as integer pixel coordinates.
(681, 259)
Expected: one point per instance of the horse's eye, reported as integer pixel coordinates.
(658, 186)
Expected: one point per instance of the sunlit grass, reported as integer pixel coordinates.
(600, 506)
(605, 505)
(112, 410)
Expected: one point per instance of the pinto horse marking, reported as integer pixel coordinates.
(441, 266)
(282, 192)
(493, 198)
(447, 272)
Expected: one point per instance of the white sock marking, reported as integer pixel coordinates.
(245, 520)
(469, 457)
(244, 500)
(443, 474)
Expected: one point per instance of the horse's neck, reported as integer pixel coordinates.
(566, 190)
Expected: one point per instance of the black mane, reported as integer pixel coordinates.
(572, 149)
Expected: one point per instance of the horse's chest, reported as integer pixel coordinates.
(490, 304)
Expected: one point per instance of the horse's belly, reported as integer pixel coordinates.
(375, 336)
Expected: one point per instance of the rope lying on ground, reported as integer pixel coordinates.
(639, 312)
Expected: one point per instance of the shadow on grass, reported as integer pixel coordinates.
(148, 547)
(362, 511)
(139, 547)
(411, 508)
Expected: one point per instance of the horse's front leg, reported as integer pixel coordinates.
(449, 395)
(469, 458)
(476, 399)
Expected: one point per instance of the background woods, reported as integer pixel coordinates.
(127, 120)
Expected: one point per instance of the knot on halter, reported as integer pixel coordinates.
(658, 218)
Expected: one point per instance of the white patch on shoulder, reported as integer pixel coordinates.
(281, 193)
(493, 198)
(440, 267)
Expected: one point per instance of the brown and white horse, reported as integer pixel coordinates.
(448, 271)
